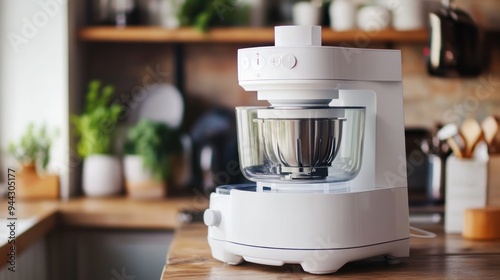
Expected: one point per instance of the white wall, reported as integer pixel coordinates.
(34, 75)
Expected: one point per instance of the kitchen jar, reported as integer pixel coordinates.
(342, 15)
(373, 18)
(306, 13)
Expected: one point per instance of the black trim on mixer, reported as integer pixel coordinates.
(306, 249)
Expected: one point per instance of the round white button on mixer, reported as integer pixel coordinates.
(274, 61)
(211, 217)
(258, 62)
(244, 63)
(289, 61)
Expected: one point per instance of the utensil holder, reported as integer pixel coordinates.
(493, 194)
(470, 183)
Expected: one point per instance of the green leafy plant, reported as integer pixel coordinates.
(154, 142)
(205, 14)
(33, 147)
(96, 124)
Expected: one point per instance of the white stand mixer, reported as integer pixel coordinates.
(328, 157)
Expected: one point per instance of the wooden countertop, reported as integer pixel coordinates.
(448, 256)
(125, 212)
(36, 218)
(444, 257)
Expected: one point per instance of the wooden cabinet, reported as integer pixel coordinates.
(31, 263)
(83, 254)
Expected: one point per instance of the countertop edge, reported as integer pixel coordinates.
(37, 218)
(43, 224)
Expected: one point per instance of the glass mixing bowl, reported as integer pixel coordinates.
(300, 145)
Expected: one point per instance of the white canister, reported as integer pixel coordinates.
(466, 187)
(306, 13)
(406, 14)
(342, 15)
(373, 18)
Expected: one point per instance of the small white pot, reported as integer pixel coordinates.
(373, 18)
(168, 10)
(306, 13)
(342, 15)
(102, 175)
(406, 14)
(139, 182)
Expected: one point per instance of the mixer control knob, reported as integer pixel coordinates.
(289, 61)
(211, 217)
(290, 36)
(274, 60)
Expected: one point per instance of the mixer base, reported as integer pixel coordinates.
(312, 261)
(319, 231)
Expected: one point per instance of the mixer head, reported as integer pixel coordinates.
(299, 138)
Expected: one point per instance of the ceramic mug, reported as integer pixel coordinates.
(306, 13)
(373, 18)
(342, 15)
(406, 14)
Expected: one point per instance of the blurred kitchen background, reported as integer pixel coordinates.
(52, 49)
(77, 78)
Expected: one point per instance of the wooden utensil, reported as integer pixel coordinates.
(447, 131)
(451, 135)
(491, 130)
(472, 133)
(455, 148)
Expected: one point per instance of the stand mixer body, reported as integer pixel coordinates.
(328, 158)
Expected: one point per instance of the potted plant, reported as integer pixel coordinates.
(33, 154)
(94, 127)
(204, 14)
(148, 158)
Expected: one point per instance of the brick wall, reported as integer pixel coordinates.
(212, 80)
(431, 99)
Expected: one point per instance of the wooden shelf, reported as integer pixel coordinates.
(243, 35)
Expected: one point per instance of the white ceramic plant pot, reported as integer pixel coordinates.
(102, 175)
(168, 10)
(139, 182)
